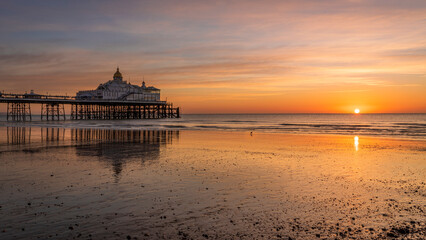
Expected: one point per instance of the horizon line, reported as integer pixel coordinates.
(5, 113)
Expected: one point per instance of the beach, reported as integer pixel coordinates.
(91, 183)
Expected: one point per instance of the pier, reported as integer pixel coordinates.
(113, 100)
(52, 108)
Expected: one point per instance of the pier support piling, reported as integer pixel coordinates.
(17, 111)
(86, 111)
(52, 111)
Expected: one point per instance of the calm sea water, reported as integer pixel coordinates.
(385, 125)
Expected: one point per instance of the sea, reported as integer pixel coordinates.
(408, 126)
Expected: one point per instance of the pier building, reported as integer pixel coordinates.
(118, 89)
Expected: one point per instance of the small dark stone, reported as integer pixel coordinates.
(29, 204)
(205, 236)
(402, 230)
(391, 234)
(128, 237)
(51, 175)
(318, 235)
(70, 228)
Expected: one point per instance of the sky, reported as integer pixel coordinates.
(301, 56)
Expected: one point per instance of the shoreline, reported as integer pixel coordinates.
(398, 137)
(393, 126)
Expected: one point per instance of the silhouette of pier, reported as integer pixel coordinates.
(52, 108)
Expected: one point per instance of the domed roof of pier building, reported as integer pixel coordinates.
(117, 75)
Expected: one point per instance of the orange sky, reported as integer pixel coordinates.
(227, 57)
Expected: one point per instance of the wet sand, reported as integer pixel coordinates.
(118, 184)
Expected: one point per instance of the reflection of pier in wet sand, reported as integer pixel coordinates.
(22, 135)
(114, 135)
(18, 135)
(113, 146)
(116, 147)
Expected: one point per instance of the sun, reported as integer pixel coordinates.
(356, 110)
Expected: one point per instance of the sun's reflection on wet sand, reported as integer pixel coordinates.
(356, 143)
